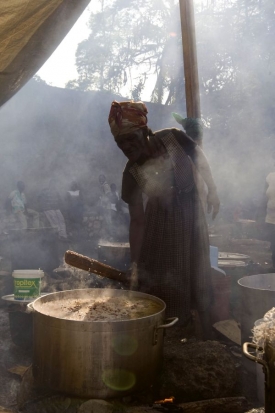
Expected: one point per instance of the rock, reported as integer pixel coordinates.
(95, 406)
(197, 371)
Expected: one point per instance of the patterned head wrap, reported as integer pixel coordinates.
(126, 117)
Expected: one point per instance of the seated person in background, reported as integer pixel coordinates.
(75, 205)
(19, 207)
(105, 202)
(106, 192)
(114, 197)
(50, 204)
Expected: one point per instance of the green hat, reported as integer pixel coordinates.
(192, 126)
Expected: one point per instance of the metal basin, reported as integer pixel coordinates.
(227, 256)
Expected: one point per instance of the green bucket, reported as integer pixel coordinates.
(27, 284)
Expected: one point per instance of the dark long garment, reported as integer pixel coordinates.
(174, 263)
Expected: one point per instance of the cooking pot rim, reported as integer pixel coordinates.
(98, 322)
(258, 282)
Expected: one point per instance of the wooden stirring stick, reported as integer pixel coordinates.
(89, 264)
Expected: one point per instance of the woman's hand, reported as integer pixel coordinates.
(213, 203)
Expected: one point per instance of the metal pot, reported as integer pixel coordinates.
(267, 362)
(116, 254)
(97, 359)
(257, 296)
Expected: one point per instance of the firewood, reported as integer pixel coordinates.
(222, 405)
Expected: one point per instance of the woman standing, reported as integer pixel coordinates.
(169, 240)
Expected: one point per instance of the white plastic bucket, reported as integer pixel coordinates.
(27, 284)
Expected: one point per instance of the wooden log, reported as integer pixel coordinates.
(89, 264)
(222, 405)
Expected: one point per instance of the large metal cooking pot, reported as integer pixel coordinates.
(97, 359)
(267, 363)
(257, 296)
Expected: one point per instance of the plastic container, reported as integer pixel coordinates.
(214, 253)
(27, 284)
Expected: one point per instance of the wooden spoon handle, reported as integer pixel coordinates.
(89, 264)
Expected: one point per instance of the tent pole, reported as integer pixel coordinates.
(190, 58)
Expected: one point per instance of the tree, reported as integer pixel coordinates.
(236, 54)
(38, 79)
(133, 43)
(134, 46)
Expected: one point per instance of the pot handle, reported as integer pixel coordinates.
(30, 308)
(173, 320)
(256, 359)
(250, 356)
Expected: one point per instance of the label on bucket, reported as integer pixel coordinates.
(26, 288)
